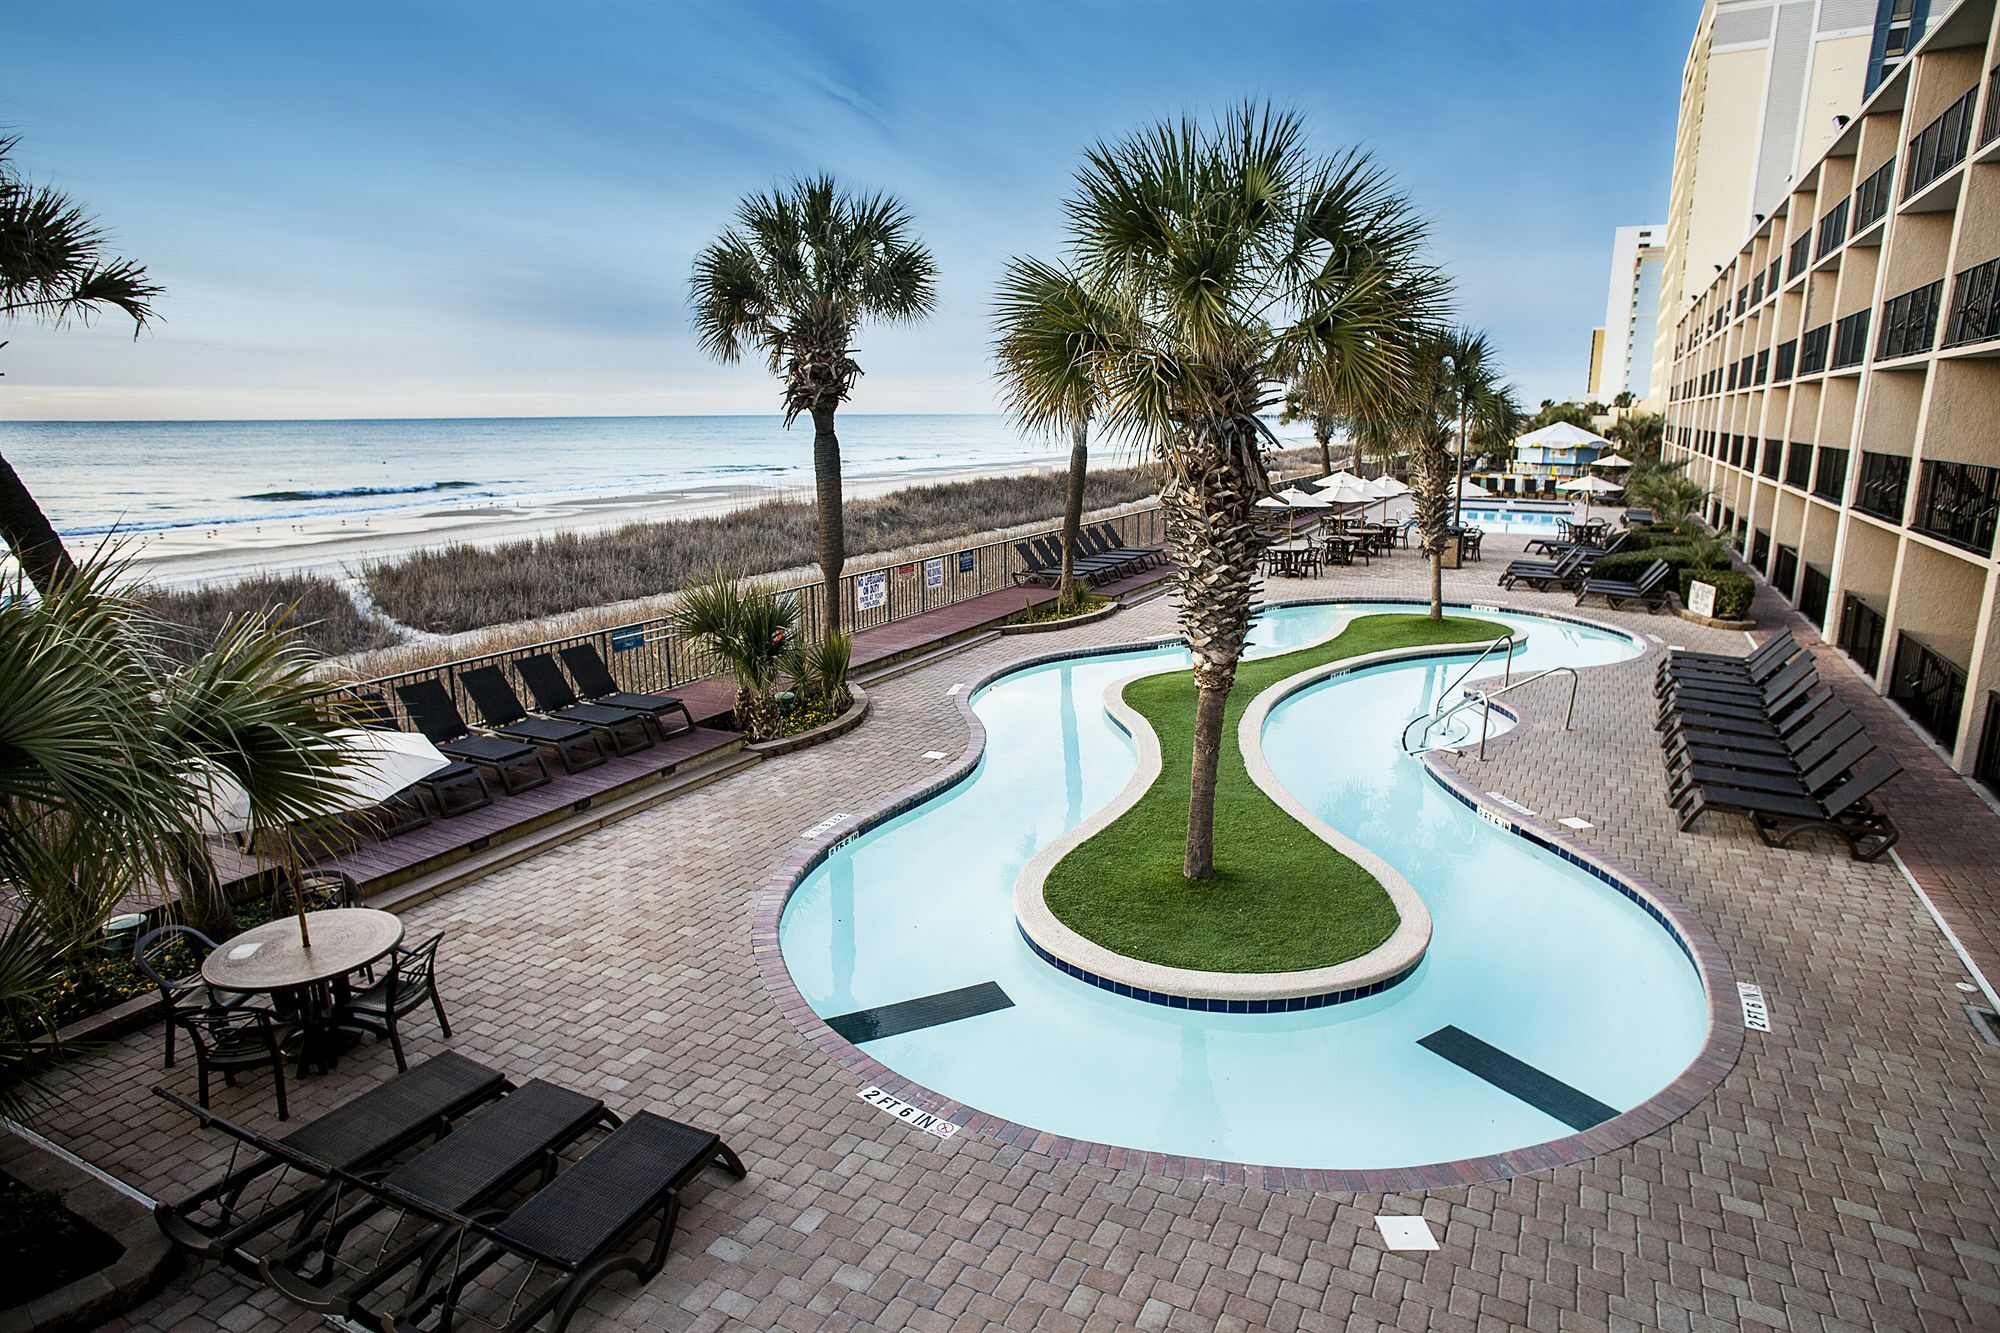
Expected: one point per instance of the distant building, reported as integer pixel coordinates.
(1767, 86)
(1621, 355)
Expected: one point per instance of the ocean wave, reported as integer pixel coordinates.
(355, 492)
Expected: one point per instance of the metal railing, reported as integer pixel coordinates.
(1883, 486)
(1986, 767)
(1785, 570)
(1909, 321)
(650, 655)
(1989, 125)
(1940, 145)
(1813, 348)
(1830, 474)
(1832, 229)
(1771, 462)
(1798, 256)
(1430, 719)
(1798, 465)
(1871, 198)
(1483, 700)
(1850, 340)
(1958, 503)
(1788, 360)
(1929, 686)
(1975, 305)
(1814, 585)
(1861, 631)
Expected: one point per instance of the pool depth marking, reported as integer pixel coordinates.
(1545, 1092)
(927, 1011)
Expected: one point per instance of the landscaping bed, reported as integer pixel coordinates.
(1282, 899)
(1036, 620)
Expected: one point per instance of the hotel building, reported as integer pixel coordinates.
(1836, 386)
(1623, 362)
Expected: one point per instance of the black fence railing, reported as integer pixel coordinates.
(1850, 340)
(1830, 474)
(1986, 767)
(1788, 360)
(1871, 198)
(650, 655)
(1798, 256)
(1814, 585)
(1929, 686)
(1861, 630)
(1989, 124)
(1832, 230)
(1813, 347)
(1940, 145)
(1798, 465)
(1975, 305)
(1883, 486)
(1785, 570)
(1909, 321)
(1762, 370)
(1773, 460)
(1957, 503)
(1760, 550)
(1771, 275)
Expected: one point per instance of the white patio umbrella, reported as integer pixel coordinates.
(1472, 490)
(1385, 488)
(1335, 480)
(376, 765)
(1612, 461)
(1588, 487)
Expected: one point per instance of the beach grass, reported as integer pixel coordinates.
(319, 608)
(1281, 900)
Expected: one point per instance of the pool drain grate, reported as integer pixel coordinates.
(891, 1020)
(1545, 1092)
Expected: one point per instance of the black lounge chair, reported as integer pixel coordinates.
(1683, 695)
(453, 789)
(1050, 549)
(1109, 542)
(1636, 518)
(1694, 708)
(1745, 732)
(578, 747)
(597, 685)
(1545, 575)
(1093, 544)
(1038, 568)
(1800, 754)
(1649, 589)
(1840, 806)
(357, 1134)
(1767, 658)
(624, 728)
(517, 766)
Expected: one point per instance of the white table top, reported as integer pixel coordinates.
(270, 956)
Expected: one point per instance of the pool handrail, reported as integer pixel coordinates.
(1485, 699)
(1436, 715)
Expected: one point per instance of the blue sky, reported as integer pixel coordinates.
(420, 209)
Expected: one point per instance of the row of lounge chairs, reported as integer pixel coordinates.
(581, 725)
(1101, 556)
(1763, 736)
(446, 1195)
(1567, 566)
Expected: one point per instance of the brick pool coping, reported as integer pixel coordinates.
(1688, 1089)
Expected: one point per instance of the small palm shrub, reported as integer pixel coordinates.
(819, 671)
(750, 632)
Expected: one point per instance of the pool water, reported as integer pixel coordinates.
(1529, 953)
(1536, 522)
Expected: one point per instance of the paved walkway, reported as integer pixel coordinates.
(1843, 1177)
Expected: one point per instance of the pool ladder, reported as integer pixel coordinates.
(1483, 699)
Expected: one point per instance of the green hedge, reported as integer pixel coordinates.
(1733, 591)
(1629, 565)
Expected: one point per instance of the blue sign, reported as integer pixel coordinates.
(626, 639)
(965, 562)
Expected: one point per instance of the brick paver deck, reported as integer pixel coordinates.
(1842, 1177)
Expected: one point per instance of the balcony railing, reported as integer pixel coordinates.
(1798, 256)
(1798, 465)
(1742, 299)
(1957, 503)
(1760, 549)
(1830, 474)
(1850, 340)
(1813, 589)
(1762, 370)
(1861, 631)
(1788, 360)
(1757, 289)
(1785, 569)
(1883, 486)
(1930, 686)
(1773, 459)
(1989, 126)
(1771, 276)
(1813, 348)
(1941, 145)
(1986, 768)
(1871, 200)
(1909, 321)
(1832, 229)
(1975, 305)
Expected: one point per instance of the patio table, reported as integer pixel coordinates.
(1343, 547)
(1294, 559)
(270, 959)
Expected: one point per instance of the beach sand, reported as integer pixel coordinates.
(336, 545)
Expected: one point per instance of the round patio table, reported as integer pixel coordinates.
(269, 959)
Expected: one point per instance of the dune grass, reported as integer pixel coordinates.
(320, 609)
(1282, 900)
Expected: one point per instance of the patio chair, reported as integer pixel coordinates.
(1840, 805)
(453, 789)
(1731, 767)
(409, 980)
(1544, 575)
(1761, 663)
(361, 1132)
(1045, 567)
(597, 685)
(578, 747)
(437, 717)
(580, 1224)
(1751, 732)
(1469, 542)
(1683, 693)
(1108, 535)
(229, 1040)
(624, 728)
(151, 955)
(1649, 589)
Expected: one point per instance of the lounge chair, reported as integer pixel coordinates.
(1758, 732)
(1544, 575)
(453, 789)
(1094, 543)
(624, 728)
(357, 1134)
(1800, 752)
(1649, 589)
(1108, 536)
(1636, 518)
(500, 709)
(597, 685)
(517, 766)
(1840, 806)
(1683, 693)
(1050, 549)
(1762, 661)
(1037, 567)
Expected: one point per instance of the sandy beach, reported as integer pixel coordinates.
(334, 545)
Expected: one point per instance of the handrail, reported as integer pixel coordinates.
(1435, 715)
(1485, 698)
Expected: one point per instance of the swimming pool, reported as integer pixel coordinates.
(1515, 518)
(1530, 957)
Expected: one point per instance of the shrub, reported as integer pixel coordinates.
(1733, 591)
(1631, 564)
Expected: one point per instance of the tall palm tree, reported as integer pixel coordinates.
(53, 271)
(1226, 262)
(1043, 314)
(1419, 418)
(1472, 375)
(1301, 404)
(795, 279)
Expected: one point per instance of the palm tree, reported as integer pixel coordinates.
(1419, 418)
(750, 631)
(1640, 434)
(1044, 313)
(53, 271)
(1226, 262)
(1302, 405)
(795, 279)
(1471, 373)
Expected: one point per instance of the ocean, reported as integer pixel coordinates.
(96, 477)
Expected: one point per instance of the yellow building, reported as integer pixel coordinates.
(1595, 384)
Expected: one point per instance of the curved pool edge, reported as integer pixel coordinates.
(1702, 1075)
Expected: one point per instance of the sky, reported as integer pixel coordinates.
(435, 210)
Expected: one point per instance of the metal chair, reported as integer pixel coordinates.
(151, 955)
(408, 980)
(231, 1039)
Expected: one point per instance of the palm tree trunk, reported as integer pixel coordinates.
(29, 534)
(1458, 481)
(1079, 462)
(1325, 450)
(1429, 464)
(832, 533)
